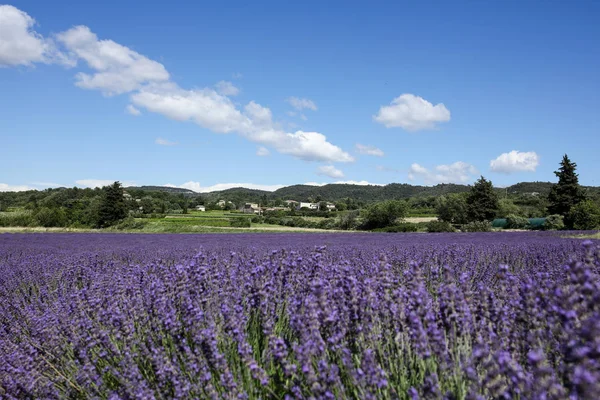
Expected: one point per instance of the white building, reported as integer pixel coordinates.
(311, 206)
(200, 208)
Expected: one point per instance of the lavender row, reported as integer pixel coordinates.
(459, 316)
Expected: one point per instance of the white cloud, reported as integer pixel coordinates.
(515, 161)
(196, 187)
(262, 151)
(20, 44)
(48, 184)
(331, 171)
(98, 183)
(292, 113)
(237, 75)
(118, 69)
(164, 142)
(359, 183)
(458, 172)
(301, 104)
(4, 187)
(132, 110)
(412, 113)
(369, 150)
(227, 88)
(303, 117)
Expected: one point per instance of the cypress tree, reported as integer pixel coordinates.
(482, 201)
(566, 193)
(112, 207)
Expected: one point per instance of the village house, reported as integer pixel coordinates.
(200, 208)
(251, 208)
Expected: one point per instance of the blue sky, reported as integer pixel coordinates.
(264, 94)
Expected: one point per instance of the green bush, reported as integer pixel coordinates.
(17, 219)
(130, 223)
(439, 226)
(554, 222)
(477, 226)
(516, 222)
(240, 222)
(257, 219)
(50, 217)
(585, 216)
(327, 224)
(403, 227)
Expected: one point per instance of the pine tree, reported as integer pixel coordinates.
(112, 207)
(566, 193)
(482, 201)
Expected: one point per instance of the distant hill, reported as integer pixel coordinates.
(361, 193)
(160, 189)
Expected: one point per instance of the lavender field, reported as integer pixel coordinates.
(299, 316)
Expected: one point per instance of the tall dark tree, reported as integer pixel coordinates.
(482, 201)
(566, 193)
(112, 208)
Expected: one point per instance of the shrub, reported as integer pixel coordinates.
(348, 220)
(327, 224)
(585, 216)
(403, 227)
(257, 219)
(240, 222)
(130, 223)
(17, 219)
(516, 222)
(477, 226)
(439, 226)
(554, 222)
(50, 217)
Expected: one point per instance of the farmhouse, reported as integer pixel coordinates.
(200, 208)
(311, 206)
(251, 208)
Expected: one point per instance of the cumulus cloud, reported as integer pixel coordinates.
(227, 88)
(330, 171)
(412, 113)
(369, 150)
(164, 142)
(98, 183)
(118, 69)
(458, 172)
(5, 187)
(198, 188)
(301, 103)
(132, 110)
(515, 161)
(21, 45)
(262, 151)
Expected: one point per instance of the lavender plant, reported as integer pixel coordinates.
(365, 316)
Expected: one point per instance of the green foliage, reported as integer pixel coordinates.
(15, 219)
(240, 222)
(130, 223)
(348, 220)
(566, 193)
(452, 208)
(439, 226)
(554, 222)
(257, 219)
(403, 227)
(112, 207)
(384, 214)
(482, 201)
(585, 216)
(477, 226)
(48, 217)
(516, 222)
(507, 207)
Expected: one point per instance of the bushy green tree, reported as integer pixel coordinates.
(507, 207)
(112, 208)
(482, 201)
(384, 214)
(452, 208)
(554, 222)
(585, 216)
(566, 193)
